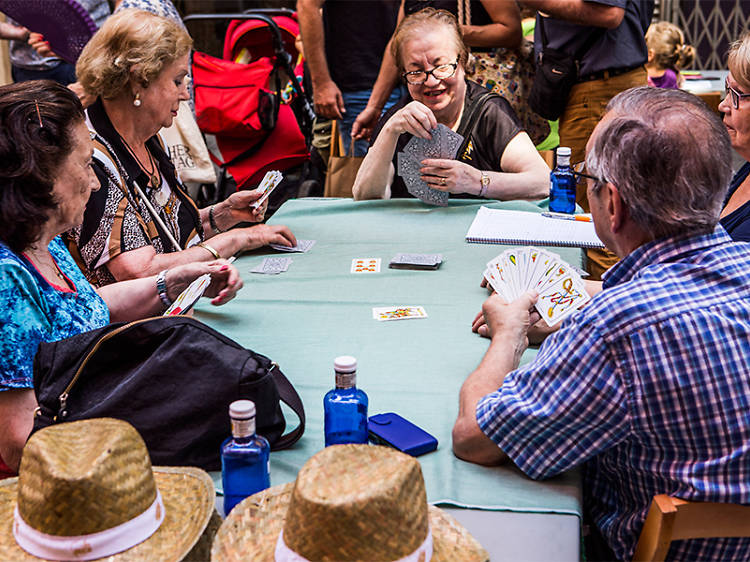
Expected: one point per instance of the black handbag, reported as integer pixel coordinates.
(556, 74)
(172, 378)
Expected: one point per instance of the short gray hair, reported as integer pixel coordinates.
(669, 156)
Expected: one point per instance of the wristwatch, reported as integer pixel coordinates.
(485, 183)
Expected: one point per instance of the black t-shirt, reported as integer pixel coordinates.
(356, 34)
(483, 146)
(479, 15)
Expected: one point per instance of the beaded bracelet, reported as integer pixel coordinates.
(161, 288)
(212, 220)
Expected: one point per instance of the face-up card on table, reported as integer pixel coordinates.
(187, 298)
(416, 261)
(365, 265)
(388, 313)
(272, 266)
(302, 246)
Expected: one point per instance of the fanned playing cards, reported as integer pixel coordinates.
(560, 287)
(444, 144)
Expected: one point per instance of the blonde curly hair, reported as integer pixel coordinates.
(131, 45)
(738, 60)
(667, 42)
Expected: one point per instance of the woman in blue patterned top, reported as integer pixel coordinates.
(45, 182)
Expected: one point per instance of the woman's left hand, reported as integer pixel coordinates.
(225, 279)
(450, 175)
(240, 209)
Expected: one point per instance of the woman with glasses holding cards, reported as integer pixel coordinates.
(735, 217)
(142, 220)
(495, 160)
(46, 178)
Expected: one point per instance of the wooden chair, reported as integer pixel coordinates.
(672, 519)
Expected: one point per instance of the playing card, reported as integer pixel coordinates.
(387, 313)
(416, 261)
(408, 168)
(272, 266)
(419, 148)
(302, 246)
(365, 265)
(562, 299)
(267, 184)
(187, 298)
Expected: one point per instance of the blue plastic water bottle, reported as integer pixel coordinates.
(244, 457)
(345, 407)
(562, 193)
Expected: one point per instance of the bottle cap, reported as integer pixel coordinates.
(563, 151)
(242, 409)
(345, 364)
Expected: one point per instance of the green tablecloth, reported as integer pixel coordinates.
(317, 310)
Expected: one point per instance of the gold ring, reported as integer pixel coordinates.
(442, 181)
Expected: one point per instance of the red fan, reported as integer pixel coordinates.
(64, 23)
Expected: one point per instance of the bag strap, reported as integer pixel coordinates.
(288, 395)
(470, 119)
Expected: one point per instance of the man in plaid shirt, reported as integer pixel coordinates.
(648, 386)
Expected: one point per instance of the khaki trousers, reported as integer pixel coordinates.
(584, 110)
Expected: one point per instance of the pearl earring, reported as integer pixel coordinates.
(137, 100)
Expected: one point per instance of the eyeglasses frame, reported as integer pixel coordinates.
(735, 95)
(429, 73)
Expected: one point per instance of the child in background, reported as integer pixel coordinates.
(667, 55)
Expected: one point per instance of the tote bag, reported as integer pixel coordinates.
(342, 169)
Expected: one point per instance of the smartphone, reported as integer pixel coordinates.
(392, 430)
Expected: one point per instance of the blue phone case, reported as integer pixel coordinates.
(394, 431)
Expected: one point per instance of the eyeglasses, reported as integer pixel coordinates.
(578, 173)
(735, 95)
(442, 72)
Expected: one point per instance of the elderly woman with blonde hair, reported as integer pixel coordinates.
(735, 217)
(142, 221)
(498, 160)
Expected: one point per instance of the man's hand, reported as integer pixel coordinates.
(327, 100)
(511, 321)
(365, 123)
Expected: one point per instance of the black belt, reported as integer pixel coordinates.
(608, 73)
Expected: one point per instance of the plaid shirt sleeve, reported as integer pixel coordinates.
(563, 408)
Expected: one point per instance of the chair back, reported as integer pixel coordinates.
(672, 519)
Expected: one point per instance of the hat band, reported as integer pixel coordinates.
(423, 553)
(89, 547)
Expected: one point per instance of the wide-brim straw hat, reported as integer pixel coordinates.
(349, 502)
(85, 477)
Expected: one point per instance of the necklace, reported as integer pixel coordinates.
(50, 264)
(154, 174)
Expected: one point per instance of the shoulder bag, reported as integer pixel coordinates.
(172, 378)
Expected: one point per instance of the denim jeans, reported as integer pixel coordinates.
(355, 102)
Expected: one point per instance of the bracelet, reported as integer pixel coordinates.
(212, 220)
(212, 250)
(484, 183)
(161, 288)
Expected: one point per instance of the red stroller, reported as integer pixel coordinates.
(250, 104)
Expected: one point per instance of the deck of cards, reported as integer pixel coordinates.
(561, 290)
(416, 261)
(302, 246)
(267, 185)
(444, 144)
(388, 313)
(272, 266)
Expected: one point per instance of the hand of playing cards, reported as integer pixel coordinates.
(267, 185)
(444, 144)
(561, 290)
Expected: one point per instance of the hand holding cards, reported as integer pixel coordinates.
(561, 290)
(267, 185)
(444, 144)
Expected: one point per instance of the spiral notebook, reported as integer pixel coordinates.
(497, 226)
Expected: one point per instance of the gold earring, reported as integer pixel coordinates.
(137, 100)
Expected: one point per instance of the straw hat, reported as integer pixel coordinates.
(349, 502)
(89, 484)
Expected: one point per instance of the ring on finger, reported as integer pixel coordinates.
(442, 181)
